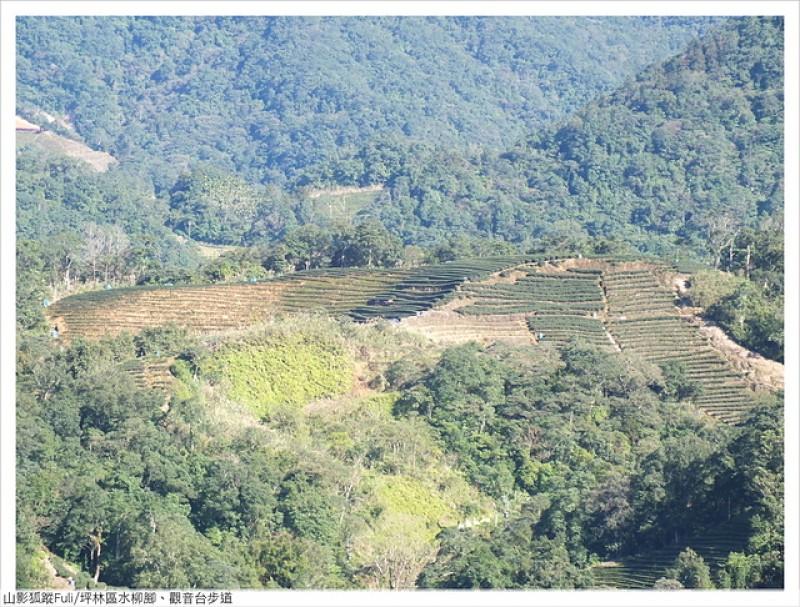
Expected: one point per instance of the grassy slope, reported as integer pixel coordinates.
(55, 145)
(398, 488)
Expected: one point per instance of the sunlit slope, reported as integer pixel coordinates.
(614, 304)
(361, 293)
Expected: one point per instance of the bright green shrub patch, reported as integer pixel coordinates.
(290, 370)
(401, 494)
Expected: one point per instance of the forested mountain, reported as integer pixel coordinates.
(309, 449)
(309, 453)
(684, 160)
(681, 157)
(272, 98)
(650, 165)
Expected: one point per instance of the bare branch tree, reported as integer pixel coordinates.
(93, 246)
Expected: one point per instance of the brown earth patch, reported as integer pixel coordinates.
(761, 372)
(445, 325)
(562, 265)
(764, 373)
(511, 276)
(56, 144)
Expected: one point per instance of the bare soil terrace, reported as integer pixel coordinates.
(617, 305)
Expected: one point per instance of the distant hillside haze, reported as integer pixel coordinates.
(271, 97)
(198, 111)
(685, 155)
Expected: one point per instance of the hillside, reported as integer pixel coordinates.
(276, 447)
(360, 293)
(622, 306)
(679, 158)
(273, 98)
(400, 303)
(643, 571)
(52, 144)
(674, 162)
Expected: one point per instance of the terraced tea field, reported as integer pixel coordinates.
(202, 309)
(557, 305)
(614, 304)
(643, 319)
(642, 571)
(335, 291)
(361, 293)
(428, 286)
(449, 327)
(152, 373)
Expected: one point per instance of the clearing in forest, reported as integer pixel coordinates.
(56, 145)
(615, 304)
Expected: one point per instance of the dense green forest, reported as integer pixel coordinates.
(314, 452)
(651, 165)
(682, 157)
(271, 98)
(556, 459)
